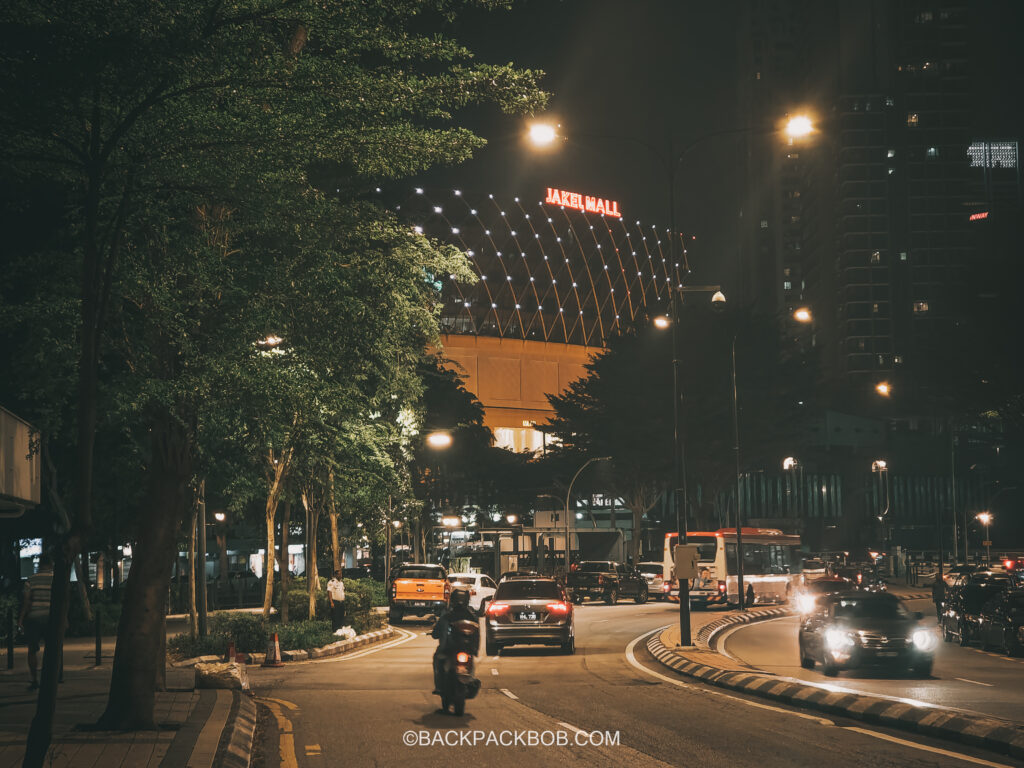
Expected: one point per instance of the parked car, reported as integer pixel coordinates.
(1002, 622)
(852, 573)
(961, 618)
(520, 574)
(530, 612)
(481, 587)
(607, 580)
(418, 590)
(951, 575)
(851, 631)
(814, 567)
(658, 582)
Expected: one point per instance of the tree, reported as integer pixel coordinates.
(143, 113)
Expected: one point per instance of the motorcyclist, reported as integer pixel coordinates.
(458, 610)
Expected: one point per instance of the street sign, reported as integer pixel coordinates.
(686, 556)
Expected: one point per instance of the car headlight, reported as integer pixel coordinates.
(923, 640)
(805, 603)
(838, 639)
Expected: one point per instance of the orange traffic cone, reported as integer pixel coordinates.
(273, 658)
(231, 651)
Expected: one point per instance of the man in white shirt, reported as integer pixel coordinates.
(336, 595)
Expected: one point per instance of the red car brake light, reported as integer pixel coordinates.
(558, 607)
(462, 657)
(721, 586)
(496, 609)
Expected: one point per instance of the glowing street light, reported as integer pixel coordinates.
(662, 322)
(799, 126)
(542, 134)
(451, 522)
(803, 315)
(439, 440)
(511, 519)
(985, 518)
(219, 517)
(883, 388)
(789, 463)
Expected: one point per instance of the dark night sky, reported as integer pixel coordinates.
(643, 68)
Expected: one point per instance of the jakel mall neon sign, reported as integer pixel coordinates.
(584, 203)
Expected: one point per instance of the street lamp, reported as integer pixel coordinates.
(882, 469)
(799, 126)
(542, 134)
(439, 440)
(661, 322)
(568, 493)
(883, 388)
(985, 518)
(803, 315)
(792, 465)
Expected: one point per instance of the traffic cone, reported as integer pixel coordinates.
(231, 651)
(273, 658)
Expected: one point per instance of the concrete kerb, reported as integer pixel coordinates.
(243, 730)
(333, 649)
(976, 730)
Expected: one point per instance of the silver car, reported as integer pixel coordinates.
(530, 612)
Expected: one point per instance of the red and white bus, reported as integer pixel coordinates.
(771, 565)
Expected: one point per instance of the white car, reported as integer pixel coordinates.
(658, 584)
(481, 588)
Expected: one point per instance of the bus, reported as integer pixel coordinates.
(772, 562)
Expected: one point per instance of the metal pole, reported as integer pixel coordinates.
(202, 559)
(10, 638)
(99, 635)
(741, 597)
(680, 494)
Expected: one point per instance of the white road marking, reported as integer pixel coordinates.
(600, 621)
(571, 727)
(976, 682)
(631, 658)
(925, 747)
(509, 693)
(349, 656)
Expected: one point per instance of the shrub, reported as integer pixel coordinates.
(248, 630)
(366, 621)
(363, 594)
(107, 604)
(298, 600)
(187, 647)
(302, 635)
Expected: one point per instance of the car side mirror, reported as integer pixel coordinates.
(918, 615)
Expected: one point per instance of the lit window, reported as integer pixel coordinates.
(786, 272)
(995, 154)
(787, 286)
(876, 257)
(897, 359)
(874, 308)
(912, 120)
(920, 307)
(892, 171)
(891, 153)
(903, 255)
(933, 151)
(764, 223)
(889, 101)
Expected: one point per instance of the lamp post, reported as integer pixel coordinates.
(881, 468)
(985, 518)
(568, 494)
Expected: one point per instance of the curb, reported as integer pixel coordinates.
(332, 649)
(990, 733)
(706, 634)
(243, 730)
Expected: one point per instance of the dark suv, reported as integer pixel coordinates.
(607, 580)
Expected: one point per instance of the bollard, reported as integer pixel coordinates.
(10, 638)
(99, 635)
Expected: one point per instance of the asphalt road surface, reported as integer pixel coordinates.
(362, 709)
(965, 678)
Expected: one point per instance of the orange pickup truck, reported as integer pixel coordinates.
(418, 590)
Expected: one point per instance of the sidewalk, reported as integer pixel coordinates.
(190, 722)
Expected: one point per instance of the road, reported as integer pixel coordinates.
(966, 678)
(356, 710)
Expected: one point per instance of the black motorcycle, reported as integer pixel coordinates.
(459, 683)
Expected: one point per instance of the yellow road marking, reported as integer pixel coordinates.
(313, 750)
(286, 747)
(289, 704)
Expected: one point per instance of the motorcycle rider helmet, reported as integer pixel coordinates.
(459, 598)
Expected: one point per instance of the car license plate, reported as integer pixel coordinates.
(888, 653)
(527, 616)
(419, 604)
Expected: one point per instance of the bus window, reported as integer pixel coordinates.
(756, 559)
(707, 547)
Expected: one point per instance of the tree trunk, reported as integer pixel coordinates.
(312, 527)
(83, 582)
(140, 634)
(283, 561)
(271, 556)
(193, 615)
(332, 510)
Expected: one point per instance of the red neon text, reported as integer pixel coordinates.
(584, 203)
(979, 216)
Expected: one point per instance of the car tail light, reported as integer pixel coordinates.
(394, 589)
(497, 609)
(558, 608)
(721, 586)
(665, 587)
(600, 579)
(1009, 564)
(462, 657)
(472, 591)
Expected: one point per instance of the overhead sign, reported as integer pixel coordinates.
(584, 203)
(979, 216)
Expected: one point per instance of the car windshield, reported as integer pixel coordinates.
(596, 565)
(528, 589)
(654, 569)
(825, 587)
(870, 609)
(422, 572)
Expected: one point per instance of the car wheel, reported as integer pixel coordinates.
(569, 648)
(830, 668)
(805, 661)
(611, 597)
(492, 648)
(641, 596)
(965, 635)
(923, 669)
(946, 634)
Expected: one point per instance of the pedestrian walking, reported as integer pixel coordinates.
(35, 613)
(336, 595)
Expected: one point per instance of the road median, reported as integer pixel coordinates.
(704, 663)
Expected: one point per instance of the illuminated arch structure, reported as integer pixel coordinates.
(555, 284)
